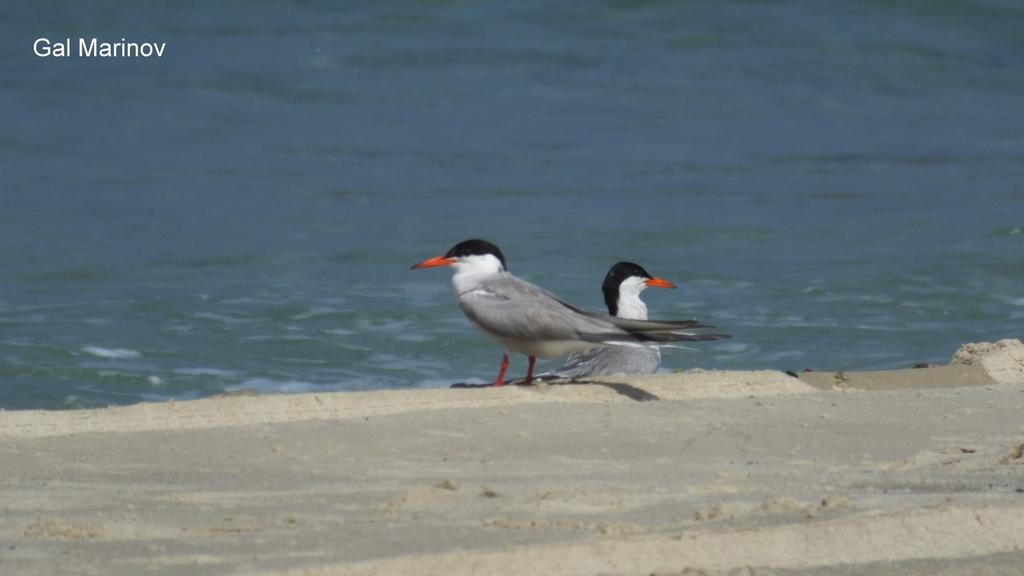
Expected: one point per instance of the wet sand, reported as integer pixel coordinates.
(917, 471)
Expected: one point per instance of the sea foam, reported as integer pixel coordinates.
(111, 352)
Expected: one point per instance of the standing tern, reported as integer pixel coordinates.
(529, 320)
(622, 287)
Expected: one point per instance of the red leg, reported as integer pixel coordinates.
(501, 374)
(529, 371)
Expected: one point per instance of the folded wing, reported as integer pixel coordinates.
(511, 308)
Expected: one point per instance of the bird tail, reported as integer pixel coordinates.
(647, 331)
(667, 330)
(641, 338)
(651, 337)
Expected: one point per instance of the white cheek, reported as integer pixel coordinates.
(471, 270)
(630, 305)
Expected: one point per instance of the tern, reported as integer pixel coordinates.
(529, 320)
(621, 288)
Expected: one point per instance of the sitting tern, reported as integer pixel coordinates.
(529, 320)
(622, 287)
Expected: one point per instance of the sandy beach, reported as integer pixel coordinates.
(917, 471)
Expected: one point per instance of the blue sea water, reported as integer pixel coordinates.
(839, 185)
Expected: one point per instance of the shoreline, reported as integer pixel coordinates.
(913, 472)
(983, 364)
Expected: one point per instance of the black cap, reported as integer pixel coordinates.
(476, 247)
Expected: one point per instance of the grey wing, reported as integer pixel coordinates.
(514, 309)
(659, 330)
(644, 325)
(606, 361)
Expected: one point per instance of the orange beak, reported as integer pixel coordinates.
(659, 283)
(434, 262)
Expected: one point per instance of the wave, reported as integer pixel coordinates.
(116, 353)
